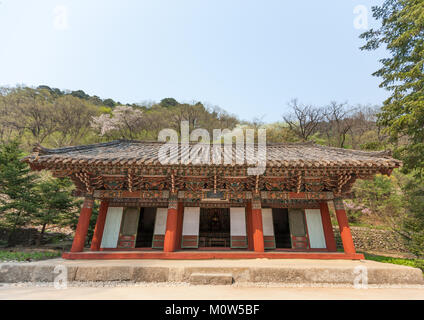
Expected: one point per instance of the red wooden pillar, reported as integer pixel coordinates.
(100, 225)
(180, 224)
(249, 226)
(327, 226)
(258, 234)
(82, 227)
(345, 233)
(171, 234)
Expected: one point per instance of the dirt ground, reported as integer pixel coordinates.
(186, 292)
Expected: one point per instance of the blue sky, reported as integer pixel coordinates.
(248, 57)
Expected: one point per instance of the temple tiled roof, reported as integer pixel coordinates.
(136, 153)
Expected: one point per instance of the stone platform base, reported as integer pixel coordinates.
(284, 271)
(113, 254)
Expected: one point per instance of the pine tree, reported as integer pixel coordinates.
(57, 202)
(18, 199)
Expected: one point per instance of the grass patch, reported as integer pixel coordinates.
(27, 256)
(417, 263)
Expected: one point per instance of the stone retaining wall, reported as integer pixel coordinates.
(378, 240)
(29, 236)
(21, 236)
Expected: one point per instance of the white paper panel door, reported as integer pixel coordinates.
(267, 222)
(160, 222)
(191, 221)
(315, 229)
(238, 221)
(112, 228)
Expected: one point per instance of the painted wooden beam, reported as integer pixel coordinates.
(164, 194)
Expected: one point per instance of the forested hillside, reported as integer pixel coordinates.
(56, 118)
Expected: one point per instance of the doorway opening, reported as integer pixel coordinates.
(146, 225)
(280, 217)
(214, 228)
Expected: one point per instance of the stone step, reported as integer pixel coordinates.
(211, 278)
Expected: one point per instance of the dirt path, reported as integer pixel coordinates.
(206, 292)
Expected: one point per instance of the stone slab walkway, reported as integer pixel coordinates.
(186, 292)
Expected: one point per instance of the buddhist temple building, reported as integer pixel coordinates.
(150, 210)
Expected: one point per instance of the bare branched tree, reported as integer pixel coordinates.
(73, 119)
(304, 119)
(364, 126)
(30, 110)
(339, 122)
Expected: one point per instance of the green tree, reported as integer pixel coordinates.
(402, 33)
(53, 91)
(414, 221)
(168, 102)
(80, 94)
(109, 103)
(18, 198)
(380, 199)
(402, 114)
(57, 202)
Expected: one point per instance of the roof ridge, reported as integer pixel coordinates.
(38, 147)
(381, 153)
(40, 150)
(44, 151)
(146, 153)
